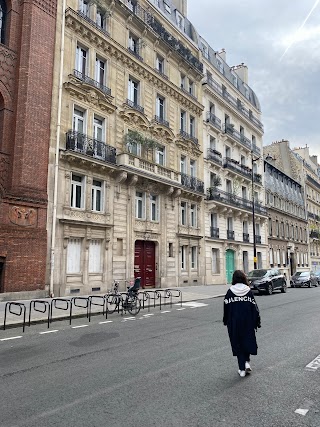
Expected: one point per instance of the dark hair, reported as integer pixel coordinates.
(239, 277)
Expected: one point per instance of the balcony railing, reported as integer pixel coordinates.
(256, 149)
(135, 53)
(258, 239)
(83, 144)
(161, 121)
(246, 237)
(162, 74)
(186, 135)
(237, 167)
(192, 183)
(229, 129)
(257, 178)
(88, 80)
(214, 193)
(313, 181)
(214, 232)
(233, 101)
(230, 234)
(91, 22)
(135, 106)
(214, 120)
(315, 234)
(214, 156)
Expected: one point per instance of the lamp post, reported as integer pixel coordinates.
(253, 160)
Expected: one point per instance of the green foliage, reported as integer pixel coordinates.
(135, 137)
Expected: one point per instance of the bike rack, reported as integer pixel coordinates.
(87, 306)
(22, 309)
(54, 305)
(170, 292)
(104, 302)
(145, 298)
(43, 309)
(156, 295)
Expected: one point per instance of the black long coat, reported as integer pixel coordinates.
(241, 316)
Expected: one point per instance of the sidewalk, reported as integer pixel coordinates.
(189, 293)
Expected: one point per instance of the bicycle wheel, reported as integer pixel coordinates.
(133, 305)
(112, 303)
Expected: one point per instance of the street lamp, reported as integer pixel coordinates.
(253, 160)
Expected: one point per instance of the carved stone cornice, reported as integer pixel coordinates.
(137, 119)
(188, 146)
(91, 35)
(89, 94)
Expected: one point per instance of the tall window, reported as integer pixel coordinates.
(160, 64)
(84, 7)
(183, 162)
(133, 44)
(98, 128)
(154, 207)
(160, 155)
(140, 205)
(183, 257)
(191, 87)
(100, 72)
(101, 19)
(193, 171)
(212, 142)
(183, 212)
(131, 4)
(193, 215)
(3, 15)
(192, 126)
(96, 196)
(182, 81)
(78, 120)
(133, 90)
(160, 103)
(81, 60)
(77, 191)
(74, 256)
(215, 261)
(194, 257)
(95, 256)
(183, 120)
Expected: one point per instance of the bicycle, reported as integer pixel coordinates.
(131, 303)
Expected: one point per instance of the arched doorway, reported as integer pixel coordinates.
(144, 263)
(229, 265)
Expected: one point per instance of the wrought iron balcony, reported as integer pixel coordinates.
(186, 135)
(214, 156)
(256, 149)
(162, 74)
(90, 21)
(230, 234)
(188, 93)
(135, 53)
(257, 178)
(88, 80)
(258, 239)
(214, 120)
(83, 144)
(135, 106)
(214, 232)
(246, 237)
(229, 129)
(161, 121)
(237, 167)
(192, 182)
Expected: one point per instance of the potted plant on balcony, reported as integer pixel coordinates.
(212, 191)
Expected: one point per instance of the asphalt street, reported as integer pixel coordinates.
(165, 368)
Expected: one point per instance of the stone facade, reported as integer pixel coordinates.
(25, 98)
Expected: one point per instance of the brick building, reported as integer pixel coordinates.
(27, 31)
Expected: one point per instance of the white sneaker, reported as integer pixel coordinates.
(248, 368)
(242, 373)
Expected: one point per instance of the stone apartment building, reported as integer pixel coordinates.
(126, 195)
(233, 169)
(27, 36)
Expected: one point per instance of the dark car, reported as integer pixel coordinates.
(303, 278)
(267, 280)
(317, 274)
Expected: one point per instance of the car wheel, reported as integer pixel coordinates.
(269, 289)
(284, 287)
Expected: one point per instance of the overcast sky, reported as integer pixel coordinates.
(282, 55)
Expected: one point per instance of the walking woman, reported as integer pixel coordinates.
(241, 316)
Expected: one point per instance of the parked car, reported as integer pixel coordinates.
(267, 280)
(317, 274)
(303, 278)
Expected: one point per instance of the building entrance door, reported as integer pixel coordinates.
(229, 265)
(144, 263)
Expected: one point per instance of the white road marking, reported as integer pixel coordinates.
(315, 364)
(106, 321)
(180, 309)
(80, 326)
(168, 311)
(193, 304)
(128, 318)
(11, 338)
(301, 411)
(48, 332)
(147, 315)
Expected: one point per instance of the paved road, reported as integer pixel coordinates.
(170, 368)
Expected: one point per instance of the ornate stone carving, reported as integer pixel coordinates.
(23, 216)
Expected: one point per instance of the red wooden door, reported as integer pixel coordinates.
(144, 263)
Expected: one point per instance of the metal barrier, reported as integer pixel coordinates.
(43, 309)
(103, 305)
(54, 305)
(170, 294)
(22, 309)
(87, 306)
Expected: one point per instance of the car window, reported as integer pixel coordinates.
(257, 273)
(276, 272)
